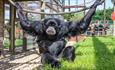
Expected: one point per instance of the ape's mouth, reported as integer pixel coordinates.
(51, 30)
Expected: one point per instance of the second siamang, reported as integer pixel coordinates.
(51, 34)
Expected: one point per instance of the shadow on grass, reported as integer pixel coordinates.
(104, 60)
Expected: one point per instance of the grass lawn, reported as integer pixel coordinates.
(95, 53)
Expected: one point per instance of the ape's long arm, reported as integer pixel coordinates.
(82, 26)
(31, 28)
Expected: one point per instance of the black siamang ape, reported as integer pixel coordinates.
(51, 34)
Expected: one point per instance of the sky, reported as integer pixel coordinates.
(108, 5)
(79, 2)
(74, 2)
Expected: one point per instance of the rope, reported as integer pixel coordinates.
(43, 13)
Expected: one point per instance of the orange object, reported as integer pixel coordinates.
(113, 15)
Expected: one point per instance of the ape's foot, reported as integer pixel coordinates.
(47, 58)
(69, 53)
(56, 64)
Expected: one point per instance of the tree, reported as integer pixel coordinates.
(74, 16)
(99, 15)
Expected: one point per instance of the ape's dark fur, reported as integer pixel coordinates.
(51, 34)
(49, 59)
(69, 53)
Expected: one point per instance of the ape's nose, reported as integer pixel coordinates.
(51, 31)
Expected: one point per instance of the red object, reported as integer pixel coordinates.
(113, 15)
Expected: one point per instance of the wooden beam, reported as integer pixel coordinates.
(1, 18)
(84, 6)
(69, 5)
(1, 25)
(24, 48)
(12, 22)
(105, 11)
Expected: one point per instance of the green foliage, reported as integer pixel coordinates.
(6, 43)
(99, 15)
(68, 16)
(95, 53)
(74, 16)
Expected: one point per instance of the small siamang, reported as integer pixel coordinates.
(51, 34)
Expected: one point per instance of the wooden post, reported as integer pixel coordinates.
(24, 48)
(41, 50)
(105, 11)
(105, 32)
(1, 25)
(63, 4)
(69, 5)
(84, 6)
(63, 9)
(42, 9)
(12, 21)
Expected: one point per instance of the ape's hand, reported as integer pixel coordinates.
(18, 6)
(32, 28)
(98, 2)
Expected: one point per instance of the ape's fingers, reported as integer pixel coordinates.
(100, 2)
(96, 3)
(18, 6)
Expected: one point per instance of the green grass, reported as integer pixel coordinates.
(18, 42)
(95, 53)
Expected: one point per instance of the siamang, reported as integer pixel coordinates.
(51, 34)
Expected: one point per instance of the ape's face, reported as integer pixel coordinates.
(51, 27)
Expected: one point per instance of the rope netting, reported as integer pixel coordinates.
(57, 13)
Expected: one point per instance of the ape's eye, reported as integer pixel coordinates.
(53, 24)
